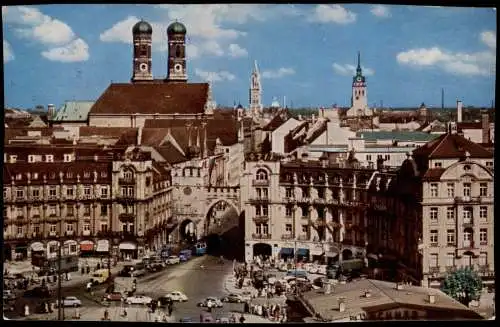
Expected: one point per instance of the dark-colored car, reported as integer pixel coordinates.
(39, 291)
(164, 301)
(113, 296)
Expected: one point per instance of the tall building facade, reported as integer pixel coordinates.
(92, 200)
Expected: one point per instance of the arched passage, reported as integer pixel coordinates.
(347, 254)
(262, 249)
(188, 231)
(220, 217)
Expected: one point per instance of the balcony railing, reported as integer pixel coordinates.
(467, 222)
(304, 199)
(261, 219)
(126, 216)
(319, 201)
(259, 200)
(468, 245)
(126, 181)
(467, 199)
(303, 237)
(261, 236)
(128, 197)
(286, 236)
(434, 270)
(260, 182)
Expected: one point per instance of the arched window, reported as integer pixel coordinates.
(128, 174)
(178, 51)
(261, 175)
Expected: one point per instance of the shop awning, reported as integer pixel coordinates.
(303, 252)
(87, 246)
(316, 252)
(331, 254)
(286, 251)
(37, 247)
(102, 246)
(70, 242)
(128, 246)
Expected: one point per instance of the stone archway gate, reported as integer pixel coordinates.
(216, 194)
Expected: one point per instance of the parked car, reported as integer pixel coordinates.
(138, 299)
(172, 260)
(39, 291)
(186, 320)
(8, 295)
(70, 301)
(113, 296)
(215, 302)
(235, 298)
(177, 296)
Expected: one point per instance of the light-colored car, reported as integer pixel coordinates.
(322, 270)
(177, 296)
(70, 301)
(212, 302)
(139, 299)
(172, 260)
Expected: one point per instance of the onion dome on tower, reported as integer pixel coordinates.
(142, 34)
(176, 28)
(177, 70)
(142, 27)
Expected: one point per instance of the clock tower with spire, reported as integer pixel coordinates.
(359, 99)
(255, 92)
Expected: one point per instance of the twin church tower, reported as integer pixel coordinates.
(142, 37)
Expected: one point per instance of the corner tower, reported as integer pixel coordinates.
(359, 99)
(177, 70)
(255, 91)
(142, 34)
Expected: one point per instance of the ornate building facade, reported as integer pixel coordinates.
(91, 199)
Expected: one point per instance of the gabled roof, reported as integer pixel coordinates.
(434, 174)
(150, 98)
(37, 122)
(170, 153)
(451, 145)
(276, 122)
(74, 111)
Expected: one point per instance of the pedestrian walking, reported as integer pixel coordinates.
(242, 319)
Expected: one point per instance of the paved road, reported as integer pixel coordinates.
(196, 282)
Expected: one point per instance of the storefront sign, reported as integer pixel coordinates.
(102, 246)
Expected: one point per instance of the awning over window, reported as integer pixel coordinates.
(303, 252)
(102, 246)
(127, 246)
(86, 246)
(331, 254)
(286, 251)
(316, 252)
(37, 247)
(70, 242)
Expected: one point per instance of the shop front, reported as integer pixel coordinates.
(52, 249)
(21, 251)
(102, 248)
(37, 248)
(317, 254)
(87, 248)
(70, 247)
(128, 250)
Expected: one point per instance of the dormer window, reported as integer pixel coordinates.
(31, 158)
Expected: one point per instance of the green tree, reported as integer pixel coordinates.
(464, 285)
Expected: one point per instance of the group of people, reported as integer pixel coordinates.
(273, 312)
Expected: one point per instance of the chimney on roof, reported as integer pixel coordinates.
(342, 305)
(431, 298)
(485, 126)
(51, 110)
(313, 118)
(459, 111)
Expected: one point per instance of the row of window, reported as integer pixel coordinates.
(70, 191)
(467, 214)
(306, 193)
(52, 210)
(451, 234)
(52, 175)
(466, 188)
(451, 260)
(55, 228)
(379, 157)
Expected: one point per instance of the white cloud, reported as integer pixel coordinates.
(30, 23)
(478, 63)
(490, 39)
(121, 31)
(237, 51)
(381, 11)
(332, 14)
(350, 70)
(278, 73)
(8, 54)
(77, 50)
(214, 76)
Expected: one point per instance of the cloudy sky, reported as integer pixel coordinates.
(307, 53)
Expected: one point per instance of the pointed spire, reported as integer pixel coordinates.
(256, 68)
(359, 60)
